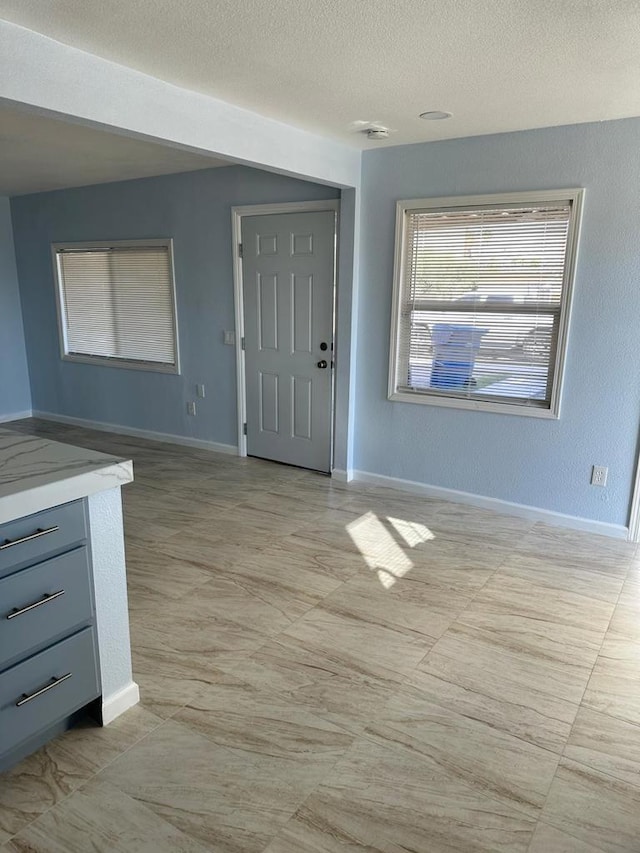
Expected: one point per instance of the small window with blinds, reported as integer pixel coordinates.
(482, 292)
(116, 304)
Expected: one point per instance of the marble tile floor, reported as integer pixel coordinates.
(333, 669)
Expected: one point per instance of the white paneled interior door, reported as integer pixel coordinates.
(288, 271)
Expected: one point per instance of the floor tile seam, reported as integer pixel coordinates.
(233, 750)
(293, 523)
(372, 620)
(478, 790)
(466, 540)
(592, 770)
(533, 619)
(141, 513)
(475, 593)
(613, 636)
(253, 574)
(237, 525)
(475, 513)
(157, 547)
(589, 707)
(137, 574)
(174, 597)
(615, 608)
(563, 830)
(84, 783)
(558, 753)
(595, 663)
(544, 588)
(294, 622)
(263, 599)
(405, 684)
(585, 562)
(162, 722)
(303, 804)
(505, 652)
(586, 763)
(611, 600)
(352, 674)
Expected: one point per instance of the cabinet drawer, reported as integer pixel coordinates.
(28, 540)
(44, 602)
(46, 688)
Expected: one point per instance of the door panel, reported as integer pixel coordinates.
(268, 312)
(269, 403)
(301, 406)
(288, 274)
(302, 327)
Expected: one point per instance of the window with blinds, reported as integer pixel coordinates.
(117, 303)
(481, 300)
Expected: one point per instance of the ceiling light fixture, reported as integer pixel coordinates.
(435, 115)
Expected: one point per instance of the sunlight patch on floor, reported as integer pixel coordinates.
(382, 543)
(412, 532)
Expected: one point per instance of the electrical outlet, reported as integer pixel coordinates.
(200, 391)
(191, 408)
(230, 338)
(599, 475)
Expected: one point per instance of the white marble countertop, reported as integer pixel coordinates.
(36, 474)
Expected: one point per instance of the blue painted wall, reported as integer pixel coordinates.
(525, 460)
(195, 209)
(15, 396)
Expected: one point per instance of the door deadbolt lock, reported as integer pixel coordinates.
(322, 364)
(324, 346)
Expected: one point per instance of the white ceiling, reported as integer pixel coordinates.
(39, 153)
(498, 65)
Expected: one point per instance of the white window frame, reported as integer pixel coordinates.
(451, 203)
(126, 363)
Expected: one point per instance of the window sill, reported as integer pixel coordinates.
(429, 399)
(123, 363)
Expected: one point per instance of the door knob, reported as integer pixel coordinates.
(322, 364)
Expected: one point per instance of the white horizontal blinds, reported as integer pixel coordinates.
(87, 295)
(119, 303)
(481, 298)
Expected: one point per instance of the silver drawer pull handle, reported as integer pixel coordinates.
(39, 532)
(44, 600)
(27, 697)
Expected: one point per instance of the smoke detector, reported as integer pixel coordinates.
(377, 133)
(371, 128)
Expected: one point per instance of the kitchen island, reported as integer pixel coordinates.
(64, 626)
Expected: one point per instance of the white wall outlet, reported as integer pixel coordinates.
(230, 338)
(191, 408)
(599, 475)
(200, 391)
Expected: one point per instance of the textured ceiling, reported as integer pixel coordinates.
(498, 65)
(39, 153)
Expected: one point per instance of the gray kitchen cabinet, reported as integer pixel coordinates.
(49, 667)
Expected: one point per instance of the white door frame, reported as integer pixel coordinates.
(238, 290)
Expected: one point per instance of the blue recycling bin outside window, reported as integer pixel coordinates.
(454, 354)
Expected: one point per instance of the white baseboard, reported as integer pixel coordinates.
(134, 432)
(120, 702)
(559, 519)
(16, 416)
(342, 476)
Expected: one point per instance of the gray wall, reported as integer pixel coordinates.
(195, 209)
(15, 395)
(544, 463)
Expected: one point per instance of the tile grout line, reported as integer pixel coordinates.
(84, 783)
(580, 706)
